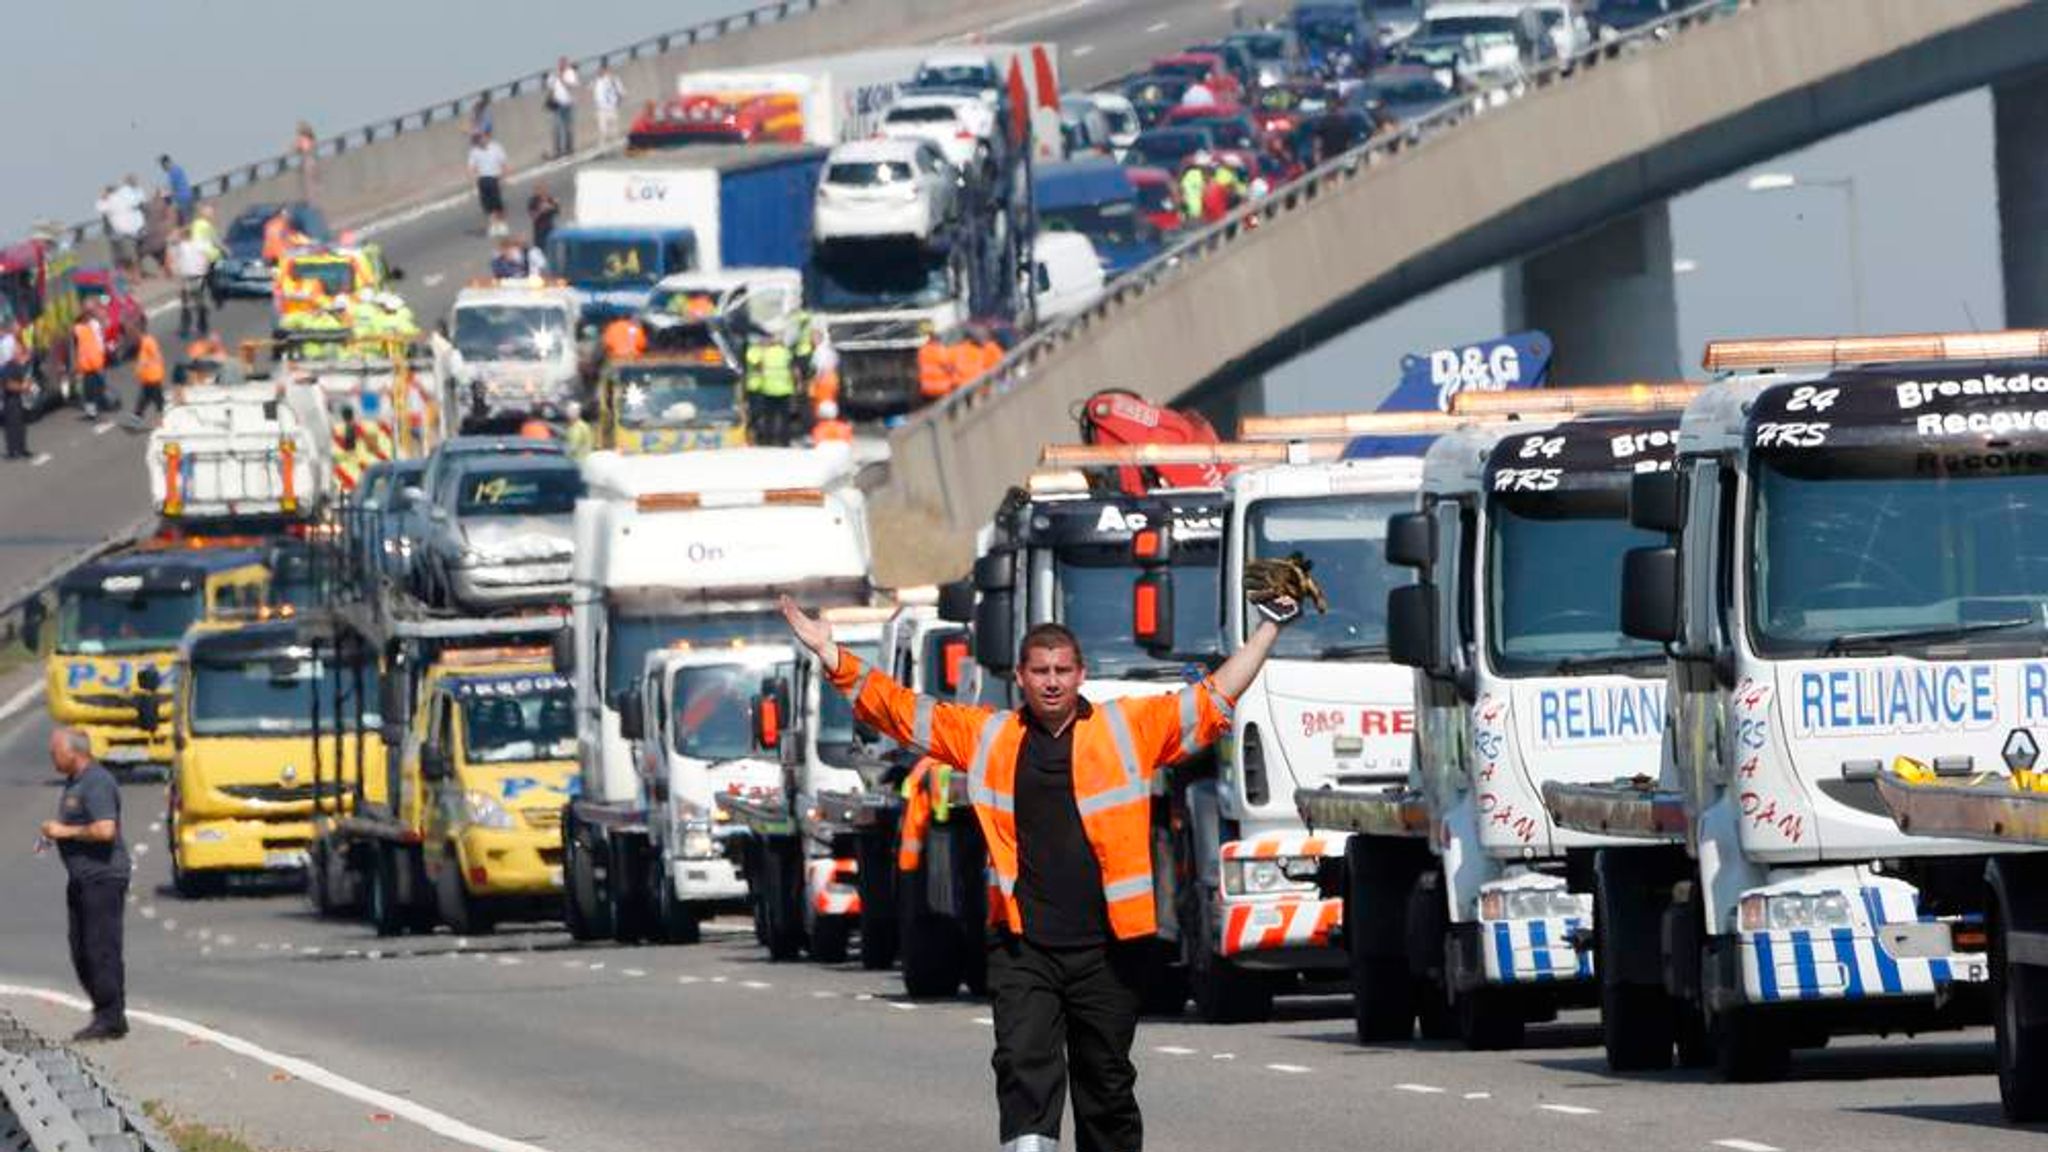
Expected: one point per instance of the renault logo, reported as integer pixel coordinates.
(290, 775)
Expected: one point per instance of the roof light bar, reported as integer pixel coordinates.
(918, 596)
(1846, 351)
(1346, 425)
(690, 501)
(1646, 396)
(496, 654)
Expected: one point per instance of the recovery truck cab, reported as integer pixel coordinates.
(109, 660)
(251, 765)
(1848, 583)
(613, 268)
(672, 402)
(1464, 904)
(692, 547)
(515, 352)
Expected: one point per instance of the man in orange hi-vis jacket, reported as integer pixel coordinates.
(1063, 791)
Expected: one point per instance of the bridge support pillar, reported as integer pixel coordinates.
(2019, 114)
(1225, 409)
(1607, 298)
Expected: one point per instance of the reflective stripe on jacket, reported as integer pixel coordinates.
(1118, 747)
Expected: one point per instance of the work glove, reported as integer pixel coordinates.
(1278, 588)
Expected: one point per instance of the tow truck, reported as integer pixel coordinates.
(1842, 584)
(672, 402)
(688, 547)
(516, 352)
(1463, 906)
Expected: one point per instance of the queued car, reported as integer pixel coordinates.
(1083, 128)
(958, 71)
(1206, 67)
(501, 534)
(1096, 198)
(1122, 116)
(1153, 96)
(242, 270)
(1399, 93)
(877, 188)
(1230, 125)
(126, 319)
(960, 127)
(1485, 42)
(1235, 58)
(374, 515)
(1275, 54)
(1170, 148)
(1280, 108)
(410, 505)
(1158, 195)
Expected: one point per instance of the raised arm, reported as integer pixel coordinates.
(947, 732)
(1169, 729)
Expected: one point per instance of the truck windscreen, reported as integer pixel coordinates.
(835, 713)
(510, 331)
(861, 281)
(274, 696)
(94, 622)
(679, 397)
(713, 709)
(627, 639)
(587, 260)
(1095, 602)
(1912, 545)
(1345, 538)
(1553, 582)
(518, 719)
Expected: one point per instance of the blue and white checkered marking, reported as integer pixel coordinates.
(1849, 963)
(1533, 951)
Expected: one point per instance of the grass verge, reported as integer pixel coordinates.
(192, 1136)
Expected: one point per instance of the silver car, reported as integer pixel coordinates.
(500, 534)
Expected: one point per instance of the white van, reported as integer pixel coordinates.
(1066, 274)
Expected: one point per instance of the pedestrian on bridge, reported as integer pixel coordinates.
(487, 163)
(561, 102)
(1062, 789)
(87, 834)
(607, 94)
(191, 261)
(14, 386)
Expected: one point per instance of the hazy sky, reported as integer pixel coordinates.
(223, 82)
(1771, 264)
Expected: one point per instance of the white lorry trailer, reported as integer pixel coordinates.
(690, 548)
(1847, 580)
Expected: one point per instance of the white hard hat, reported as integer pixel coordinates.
(572, 409)
(1205, 157)
(828, 410)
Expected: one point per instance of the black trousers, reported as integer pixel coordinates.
(1061, 1014)
(96, 908)
(96, 395)
(15, 415)
(192, 313)
(149, 396)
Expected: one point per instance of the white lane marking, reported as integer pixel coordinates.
(757, 985)
(1230, 5)
(985, 1021)
(510, 961)
(864, 996)
(224, 940)
(439, 1123)
(1171, 1049)
(103, 427)
(689, 979)
(597, 966)
(1291, 1069)
(1478, 1095)
(1740, 1145)
(156, 825)
(432, 279)
(900, 1006)
(1422, 1089)
(206, 950)
(1040, 17)
(139, 850)
(1082, 50)
(1161, 26)
(170, 925)
(310, 950)
(636, 973)
(823, 994)
(41, 459)
(21, 700)
(1569, 1109)
(720, 979)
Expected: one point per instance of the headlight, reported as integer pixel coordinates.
(696, 842)
(485, 811)
(1778, 913)
(1533, 904)
(1265, 877)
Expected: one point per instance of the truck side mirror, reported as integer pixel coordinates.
(995, 572)
(770, 708)
(1152, 548)
(149, 679)
(995, 625)
(632, 724)
(1649, 593)
(953, 657)
(33, 615)
(1411, 540)
(1152, 611)
(1411, 627)
(562, 648)
(434, 762)
(956, 602)
(1656, 502)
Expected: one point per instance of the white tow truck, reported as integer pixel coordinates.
(242, 453)
(1848, 583)
(692, 548)
(515, 353)
(1465, 907)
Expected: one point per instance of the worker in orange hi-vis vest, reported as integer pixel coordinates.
(1062, 790)
(149, 375)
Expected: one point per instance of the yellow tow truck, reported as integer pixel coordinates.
(672, 403)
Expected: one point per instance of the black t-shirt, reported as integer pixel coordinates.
(89, 797)
(1059, 882)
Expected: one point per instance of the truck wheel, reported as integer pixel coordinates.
(933, 953)
(1749, 1049)
(387, 916)
(583, 905)
(2020, 992)
(1638, 1022)
(632, 919)
(464, 914)
(1489, 1020)
(1224, 993)
(675, 922)
(1383, 990)
(831, 939)
(319, 893)
(782, 895)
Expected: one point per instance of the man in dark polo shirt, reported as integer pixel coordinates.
(87, 833)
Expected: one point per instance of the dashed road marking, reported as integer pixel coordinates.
(1737, 1144)
(20, 700)
(225, 940)
(689, 979)
(1082, 50)
(156, 825)
(1569, 1109)
(864, 996)
(1420, 1089)
(148, 911)
(140, 850)
(595, 966)
(757, 985)
(510, 961)
(375, 953)
(720, 979)
(438, 1123)
(1158, 27)
(103, 427)
(1290, 1069)
(170, 925)
(1224, 1056)
(309, 950)
(902, 1006)
(985, 1021)
(1478, 1096)
(572, 963)
(823, 994)
(41, 459)
(1173, 1050)
(635, 973)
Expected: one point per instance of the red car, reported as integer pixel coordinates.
(126, 320)
(1229, 125)
(1206, 67)
(1158, 197)
(719, 118)
(1282, 108)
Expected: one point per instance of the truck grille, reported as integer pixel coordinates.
(282, 793)
(855, 334)
(542, 819)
